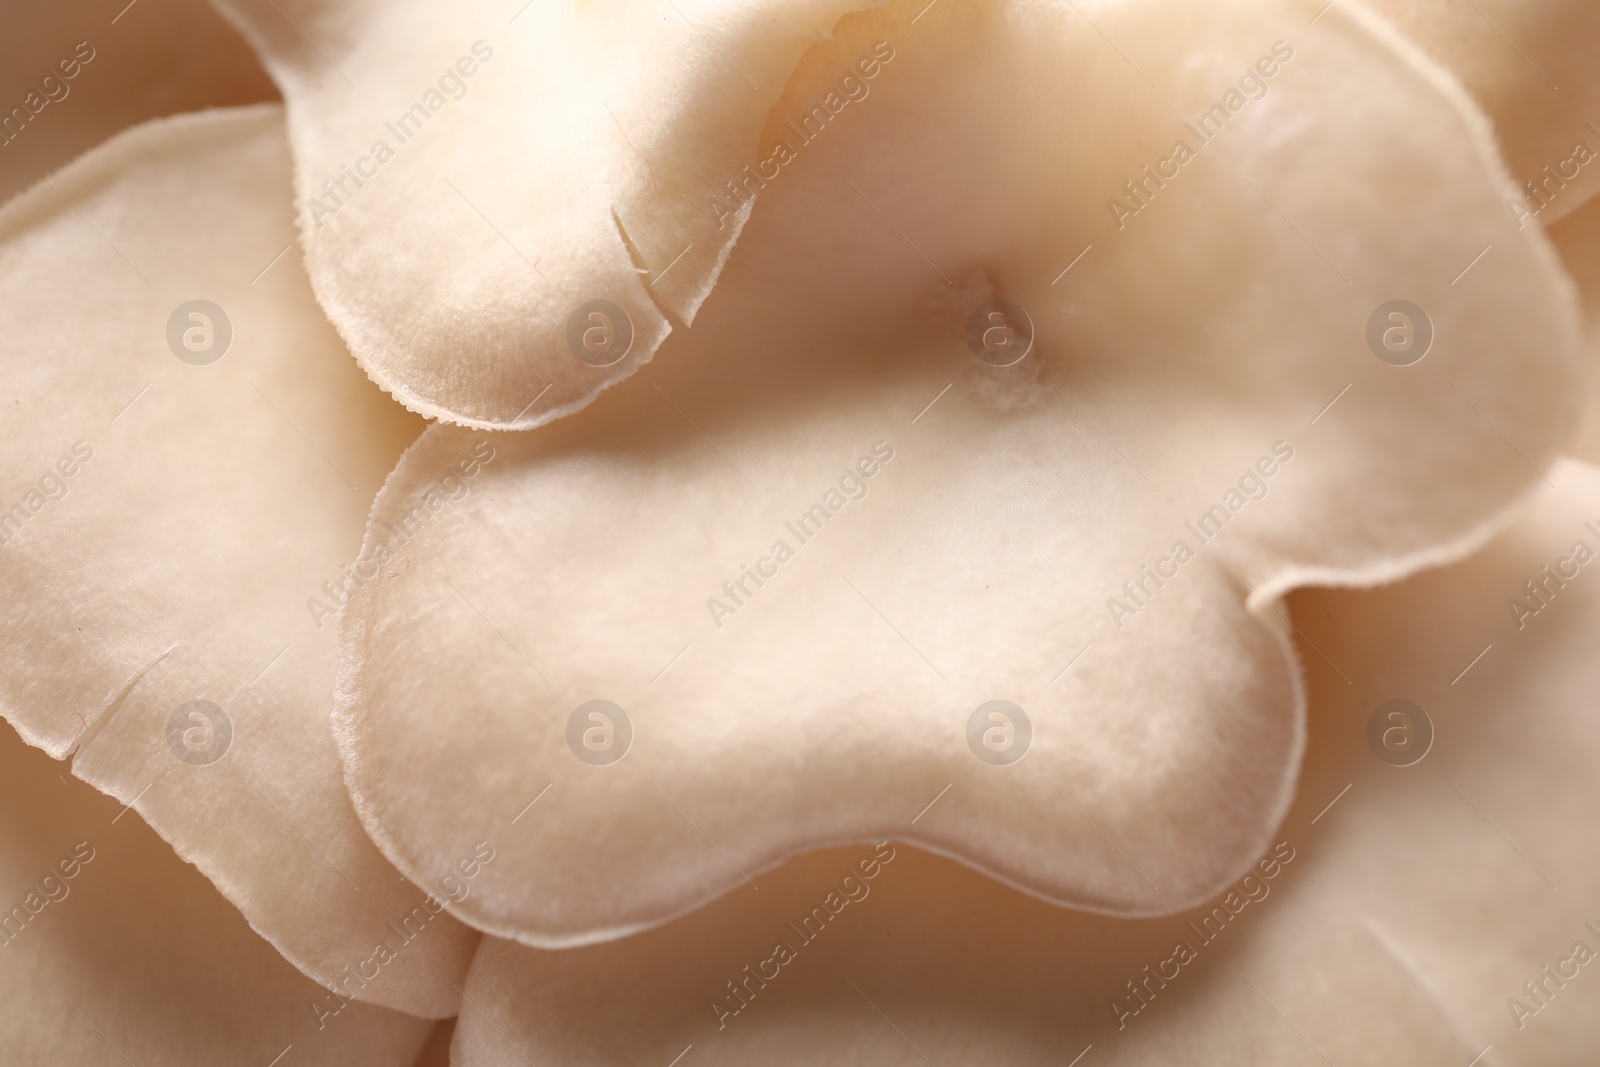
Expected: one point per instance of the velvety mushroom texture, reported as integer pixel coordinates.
(1404, 903)
(563, 155)
(189, 455)
(1532, 68)
(115, 951)
(803, 552)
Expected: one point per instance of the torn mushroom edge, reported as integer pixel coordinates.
(1264, 602)
(349, 322)
(103, 164)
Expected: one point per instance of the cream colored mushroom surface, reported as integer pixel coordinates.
(475, 182)
(859, 501)
(115, 951)
(1433, 893)
(1531, 67)
(190, 454)
(1015, 532)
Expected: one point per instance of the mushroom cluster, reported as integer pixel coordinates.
(737, 532)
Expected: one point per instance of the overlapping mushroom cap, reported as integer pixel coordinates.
(113, 950)
(76, 74)
(1437, 865)
(473, 178)
(797, 560)
(1529, 66)
(957, 512)
(190, 455)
